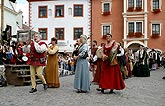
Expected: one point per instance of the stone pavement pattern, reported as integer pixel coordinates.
(139, 91)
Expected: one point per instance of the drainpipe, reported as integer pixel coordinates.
(2, 18)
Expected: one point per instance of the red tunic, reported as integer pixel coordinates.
(35, 58)
(111, 77)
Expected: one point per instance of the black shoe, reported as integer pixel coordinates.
(83, 91)
(111, 91)
(45, 86)
(33, 90)
(98, 89)
(102, 91)
(163, 78)
(79, 91)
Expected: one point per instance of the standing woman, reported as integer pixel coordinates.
(81, 80)
(111, 77)
(52, 76)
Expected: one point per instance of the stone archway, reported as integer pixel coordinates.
(134, 45)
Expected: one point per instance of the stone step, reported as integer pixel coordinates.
(22, 70)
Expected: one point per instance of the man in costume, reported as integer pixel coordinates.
(37, 60)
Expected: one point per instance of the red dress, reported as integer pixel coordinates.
(111, 77)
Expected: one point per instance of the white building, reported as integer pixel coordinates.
(12, 19)
(64, 19)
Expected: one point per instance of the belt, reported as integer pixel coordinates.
(35, 59)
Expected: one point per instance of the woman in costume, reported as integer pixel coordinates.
(111, 77)
(141, 67)
(52, 75)
(82, 80)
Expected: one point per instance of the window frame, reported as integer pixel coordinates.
(110, 5)
(39, 7)
(160, 5)
(74, 31)
(62, 11)
(74, 10)
(160, 26)
(63, 33)
(134, 5)
(46, 32)
(135, 22)
(102, 29)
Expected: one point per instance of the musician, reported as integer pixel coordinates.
(93, 58)
(75, 52)
(111, 77)
(37, 60)
(51, 75)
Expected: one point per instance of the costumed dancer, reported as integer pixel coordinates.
(37, 60)
(82, 80)
(111, 77)
(52, 75)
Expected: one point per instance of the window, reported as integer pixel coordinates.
(106, 7)
(130, 3)
(155, 4)
(106, 29)
(59, 33)
(59, 11)
(131, 27)
(78, 10)
(155, 29)
(42, 12)
(77, 32)
(138, 3)
(139, 27)
(43, 32)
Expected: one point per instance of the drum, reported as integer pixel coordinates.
(99, 52)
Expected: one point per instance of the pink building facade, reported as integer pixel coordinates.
(132, 22)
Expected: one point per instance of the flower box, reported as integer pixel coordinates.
(155, 35)
(130, 34)
(130, 9)
(156, 11)
(138, 8)
(138, 34)
(104, 37)
(106, 13)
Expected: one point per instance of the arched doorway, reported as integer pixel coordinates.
(134, 45)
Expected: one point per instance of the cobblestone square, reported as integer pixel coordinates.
(139, 91)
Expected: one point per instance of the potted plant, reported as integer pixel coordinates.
(130, 9)
(138, 34)
(104, 37)
(130, 34)
(155, 35)
(106, 13)
(138, 8)
(156, 10)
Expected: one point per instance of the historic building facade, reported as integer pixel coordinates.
(12, 20)
(133, 22)
(64, 19)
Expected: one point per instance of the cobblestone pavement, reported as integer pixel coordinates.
(139, 91)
